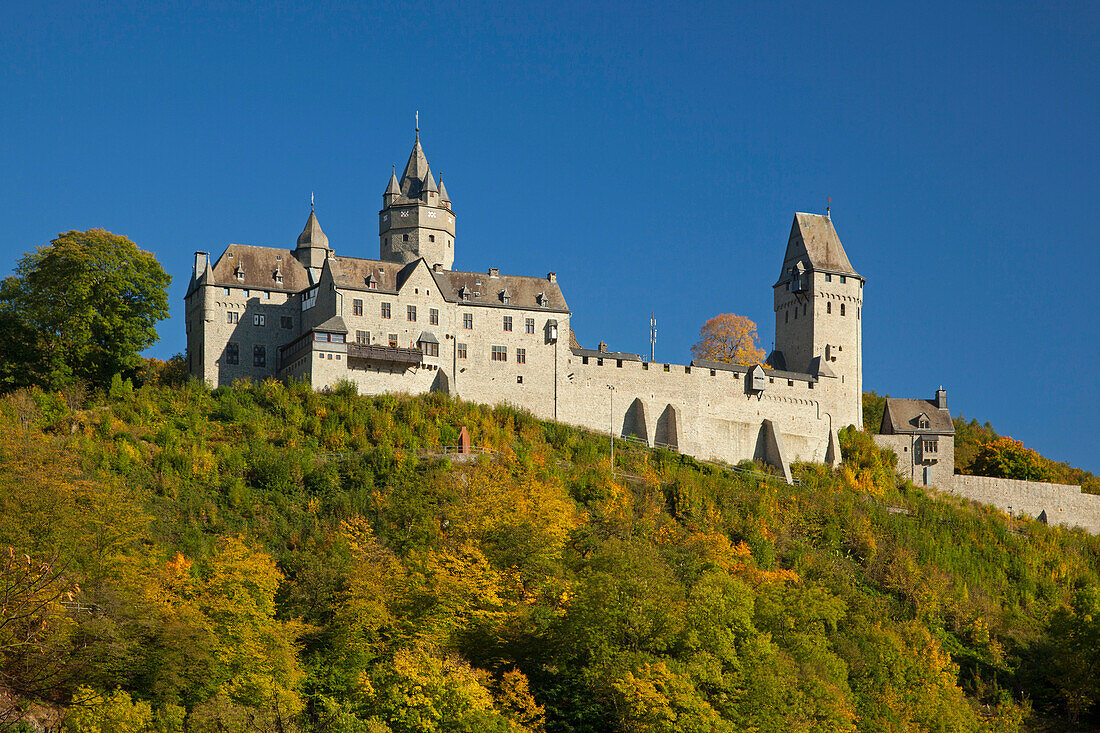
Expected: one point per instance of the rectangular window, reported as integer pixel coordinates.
(828, 278)
(232, 353)
(357, 307)
(259, 356)
(828, 307)
(225, 291)
(500, 353)
(267, 295)
(841, 309)
(433, 317)
(362, 337)
(338, 338)
(507, 323)
(521, 356)
(232, 317)
(286, 322)
(410, 313)
(318, 336)
(786, 316)
(385, 310)
(259, 319)
(467, 320)
(462, 351)
(843, 279)
(245, 293)
(529, 325)
(393, 340)
(429, 348)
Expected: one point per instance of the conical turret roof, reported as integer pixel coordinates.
(311, 235)
(416, 170)
(443, 196)
(394, 187)
(429, 183)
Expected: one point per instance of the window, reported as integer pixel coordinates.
(431, 237)
(584, 360)
(404, 237)
(828, 307)
(385, 310)
(318, 336)
(843, 279)
(393, 340)
(259, 319)
(461, 351)
(828, 278)
(841, 309)
(357, 307)
(922, 422)
(429, 348)
(433, 317)
(232, 353)
(286, 322)
(337, 338)
(521, 356)
(803, 309)
(519, 379)
(410, 313)
(786, 316)
(500, 353)
(259, 356)
(267, 295)
(245, 293)
(232, 317)
(507, 323)
(467, 320)
(930, 446)
(362, 337)
(225, 291)
(529, 325)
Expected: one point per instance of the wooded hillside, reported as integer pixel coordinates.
(269, 558)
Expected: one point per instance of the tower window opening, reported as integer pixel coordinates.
(431, 237)
(404, 237)
(828, 307)
(828, 277)
(841, 309)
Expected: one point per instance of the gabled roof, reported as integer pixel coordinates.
(523, 292)
(901, 416)
(311, 235)
(814, 244)
(354, 273)
(259, 265)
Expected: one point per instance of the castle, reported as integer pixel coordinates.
(407, 322)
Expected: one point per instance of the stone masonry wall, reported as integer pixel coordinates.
(1064, 504)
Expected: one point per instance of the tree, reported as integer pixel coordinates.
(82, 307)
(728, 338)
(1008, 458)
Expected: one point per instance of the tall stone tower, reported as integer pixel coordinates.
(416, 220)
(819, 315)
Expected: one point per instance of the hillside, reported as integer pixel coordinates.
(269, 558)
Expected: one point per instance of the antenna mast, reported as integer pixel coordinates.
(652, 334)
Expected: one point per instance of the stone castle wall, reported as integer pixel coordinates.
(1064, 504)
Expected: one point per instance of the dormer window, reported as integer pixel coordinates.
(505, 297)
(464, 293)
(541, 299)
(371, 282)
(922, 421)
(239, 272)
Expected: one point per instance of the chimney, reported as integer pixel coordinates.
(494, 272)
(552, 277)
(438, 267)
(201, 258)
(941, 398)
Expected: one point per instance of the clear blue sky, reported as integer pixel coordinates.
(652, 156)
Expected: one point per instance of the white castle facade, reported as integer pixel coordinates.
(407, 322)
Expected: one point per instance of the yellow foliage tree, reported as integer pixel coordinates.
(728, 338)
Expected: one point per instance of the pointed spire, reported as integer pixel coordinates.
(415, 170)
(394, 187)
(429, 183)
(443, 189)
(311, 235)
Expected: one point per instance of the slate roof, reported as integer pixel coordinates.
(724, 366)
(416, 170)
(352, 273)
(258, 265)
(335, 324)
(814, 241)
(901, 415)
(485, 290)
(311, 235)
(625, 356)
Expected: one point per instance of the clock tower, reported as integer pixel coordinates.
(416, 220)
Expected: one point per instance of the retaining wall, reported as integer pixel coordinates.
(1064, 504)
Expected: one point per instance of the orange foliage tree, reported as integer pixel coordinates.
(728, 338)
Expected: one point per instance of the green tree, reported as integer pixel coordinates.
(1008, 458)
(82, 307)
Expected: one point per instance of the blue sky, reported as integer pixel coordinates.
(652, 155)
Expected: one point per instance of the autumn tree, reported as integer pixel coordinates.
(728, 338)
(1008, 458)
(82, 307)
